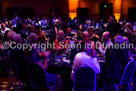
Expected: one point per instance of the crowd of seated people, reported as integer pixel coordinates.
(63, 31)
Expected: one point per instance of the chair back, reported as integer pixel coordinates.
(85, 79)
(37, 76)
(128, 72)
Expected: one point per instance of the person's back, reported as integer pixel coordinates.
(116, 60)
(19, 58)
(114, 29)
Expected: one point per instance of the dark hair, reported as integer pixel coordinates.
(113, 16)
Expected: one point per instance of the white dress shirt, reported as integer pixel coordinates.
(103, 48)
(82, 59)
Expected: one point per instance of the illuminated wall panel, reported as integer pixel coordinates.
(117, 9)
(117, 16)
(73, 5)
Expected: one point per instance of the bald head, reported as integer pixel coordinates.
(106, 36)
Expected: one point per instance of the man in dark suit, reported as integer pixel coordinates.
(116, 60)
(19, 63)
(114, 27)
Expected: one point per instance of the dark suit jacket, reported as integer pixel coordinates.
(114, 29)
(116, 60)
(18, 56)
